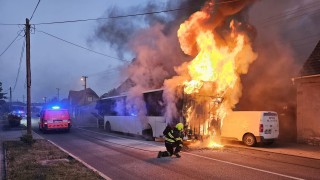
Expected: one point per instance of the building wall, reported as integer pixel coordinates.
(308, 108)
(82, 115)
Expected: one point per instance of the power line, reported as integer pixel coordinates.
(298, 12)
(11, 43)
(35, 10)
(81, 46)
(128, 15)
(291, 12)
(8, 24)
(103, 72)
(110, 17)
(293, 17)
(21, 56)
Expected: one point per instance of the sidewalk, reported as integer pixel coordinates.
(292, 149)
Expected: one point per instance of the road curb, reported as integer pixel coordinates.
(78, 159)
(3, 162)
(264, 150)
(5, 167)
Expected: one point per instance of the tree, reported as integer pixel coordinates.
(2, 95)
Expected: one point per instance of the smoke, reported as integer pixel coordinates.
(119, 32)
(268, 84)
(151, 39)
(287, 34)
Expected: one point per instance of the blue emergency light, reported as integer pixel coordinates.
(55, 107)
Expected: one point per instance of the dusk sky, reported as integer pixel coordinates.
(57, 64)
(54, 63)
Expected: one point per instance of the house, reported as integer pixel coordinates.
(82, 97)
(81, 106)
(308, 100)
(122, 88)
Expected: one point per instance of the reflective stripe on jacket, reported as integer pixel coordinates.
(173, 136)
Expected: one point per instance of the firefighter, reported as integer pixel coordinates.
(173, 141)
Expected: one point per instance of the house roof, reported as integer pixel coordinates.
(312, 64)
(123, 87)
(79, 97)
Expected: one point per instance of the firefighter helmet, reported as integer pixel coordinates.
(179, 126)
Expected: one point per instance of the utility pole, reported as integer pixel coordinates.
(29, 132)
(84, 78)
(58, 89)
(10, 99)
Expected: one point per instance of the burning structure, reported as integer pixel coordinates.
(222, 51)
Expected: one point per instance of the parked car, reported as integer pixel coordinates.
(14, 119)
(251, 127)
(54, 118)
(19, 113)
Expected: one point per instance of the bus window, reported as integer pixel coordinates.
(119, 106)
(154, 103)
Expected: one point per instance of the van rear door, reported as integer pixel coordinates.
(269, 127)
(57, 119)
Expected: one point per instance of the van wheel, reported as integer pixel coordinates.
(249, 140)
(108, 127)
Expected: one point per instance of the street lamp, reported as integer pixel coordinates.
(84, 78)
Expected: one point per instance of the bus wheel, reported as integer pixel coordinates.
(108, 127)
(249, 140)
(148, 134)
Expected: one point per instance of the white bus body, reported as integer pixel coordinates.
(251, 127)
(132, 125)
(118, 118)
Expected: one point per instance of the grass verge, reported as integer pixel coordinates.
(42, 160)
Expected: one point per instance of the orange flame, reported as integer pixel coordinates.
(219, 64)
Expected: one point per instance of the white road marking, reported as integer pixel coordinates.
(117, 137)
(244, 166)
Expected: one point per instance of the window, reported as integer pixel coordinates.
(113, 106)
(154, 103)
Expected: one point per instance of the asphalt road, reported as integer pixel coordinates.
(121, 157)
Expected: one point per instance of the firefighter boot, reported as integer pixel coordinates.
(159, 154)
(177, 155)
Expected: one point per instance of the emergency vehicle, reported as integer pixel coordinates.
(54, 118)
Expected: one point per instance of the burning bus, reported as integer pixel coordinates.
(147, 117)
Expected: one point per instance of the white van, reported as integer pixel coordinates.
(251, 127)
